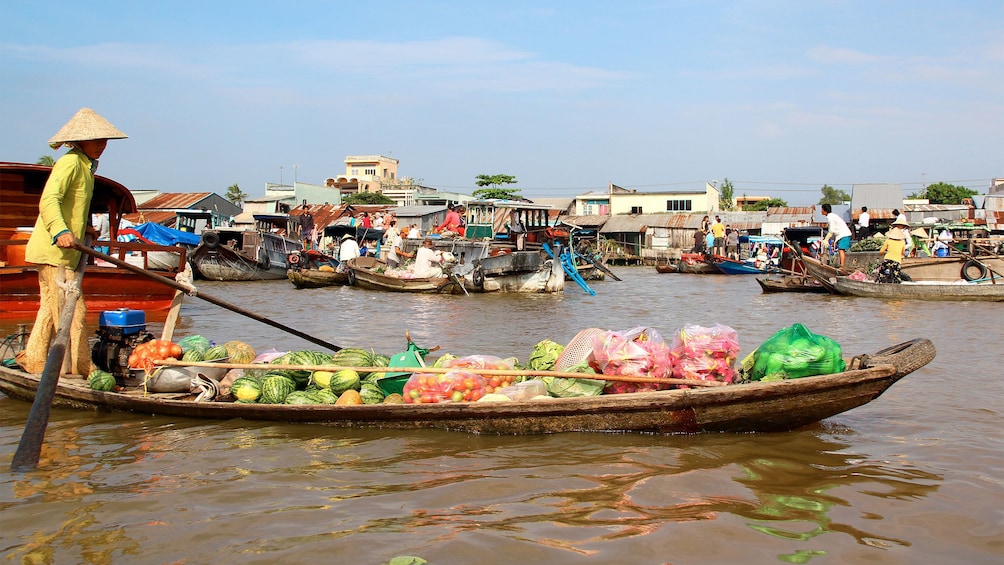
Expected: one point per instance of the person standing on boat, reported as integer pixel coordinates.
(863, 220)
(397, 250)
(894, 249)
(837, 230)
(63, 220)
(732, 243)
(718, 230)
(307, 227)
(699, 243)
(428, 261)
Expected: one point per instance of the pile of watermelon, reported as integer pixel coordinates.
(308, 386)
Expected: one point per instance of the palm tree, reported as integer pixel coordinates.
(46, 160)
(235, 195)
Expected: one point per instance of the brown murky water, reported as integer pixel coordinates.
(915, 476)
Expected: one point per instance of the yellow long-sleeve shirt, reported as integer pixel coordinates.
(894, 249)
(64, 205)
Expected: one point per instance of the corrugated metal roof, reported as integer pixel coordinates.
(625, 223)
(164, 218)
(175, 200)
(591, 221)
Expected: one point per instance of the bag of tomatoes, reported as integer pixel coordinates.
(455, 386)
(146, 353)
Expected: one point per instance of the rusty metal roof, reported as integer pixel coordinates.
(328, 214)
(175, 200)
(164, 218)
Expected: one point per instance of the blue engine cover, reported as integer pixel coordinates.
(127, 321)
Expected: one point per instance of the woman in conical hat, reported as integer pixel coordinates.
(63, 219)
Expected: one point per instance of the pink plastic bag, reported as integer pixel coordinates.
(707, 354)
(636, 352)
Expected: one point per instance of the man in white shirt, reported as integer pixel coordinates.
(347, 249)
(863, 220)
(837, 229)
(428, 260)
(394, 256)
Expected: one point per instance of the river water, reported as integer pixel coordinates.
(914, 476)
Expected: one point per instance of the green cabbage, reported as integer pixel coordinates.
(544, 355)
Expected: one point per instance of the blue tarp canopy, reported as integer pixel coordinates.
(162, 235)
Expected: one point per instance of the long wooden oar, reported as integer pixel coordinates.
(199, 294)
(497, 372)
(30, 447)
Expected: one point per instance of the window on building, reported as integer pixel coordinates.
(636, 210)
(355, 172)
(679, 205)
(370, 172)
(385, 173)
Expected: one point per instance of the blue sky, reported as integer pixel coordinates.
(780, 97)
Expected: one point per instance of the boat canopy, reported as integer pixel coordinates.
(492, 218)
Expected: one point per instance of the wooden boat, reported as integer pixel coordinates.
(237, 254)
(309, 268)
(790, 283)
(698, 264)
(105, 287)
(921, 290)
(733, 267)
(368, 272)
(749, 407)
(667, 268)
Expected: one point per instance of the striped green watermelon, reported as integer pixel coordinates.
(343, 380)
(193, 355)
(304, 358)
(325, 396)
(300, 397)
(214, 353)
(371, 393)
(275, 388)
(101, 380)
(353, 357)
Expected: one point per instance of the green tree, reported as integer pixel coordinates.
(235, 195)
(495, 189)
(727, 195)
(367, 198)
(944, 193)
(769, 203)
(833, 196)
(46, 160)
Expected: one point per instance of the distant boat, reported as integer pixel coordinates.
(235, 254)
(927, 290)
(310, 268)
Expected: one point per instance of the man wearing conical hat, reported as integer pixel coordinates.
(63, 219)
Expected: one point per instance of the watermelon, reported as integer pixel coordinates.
(371, 393)
(214, 353)
(193, 355)
(353, 357)
(300, 397)
(325, 396)
(305, 358)
(246, 388)
(239, 352)
(321, 379)
(380, 360)
(343, 380)
(196, 342)
(101, 380)
(275, 388)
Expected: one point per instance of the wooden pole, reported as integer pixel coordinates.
(30, 447)
(499, 372)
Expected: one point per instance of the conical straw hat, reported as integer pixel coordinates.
(85, 125)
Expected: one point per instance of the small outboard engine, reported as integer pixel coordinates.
(119, 332)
